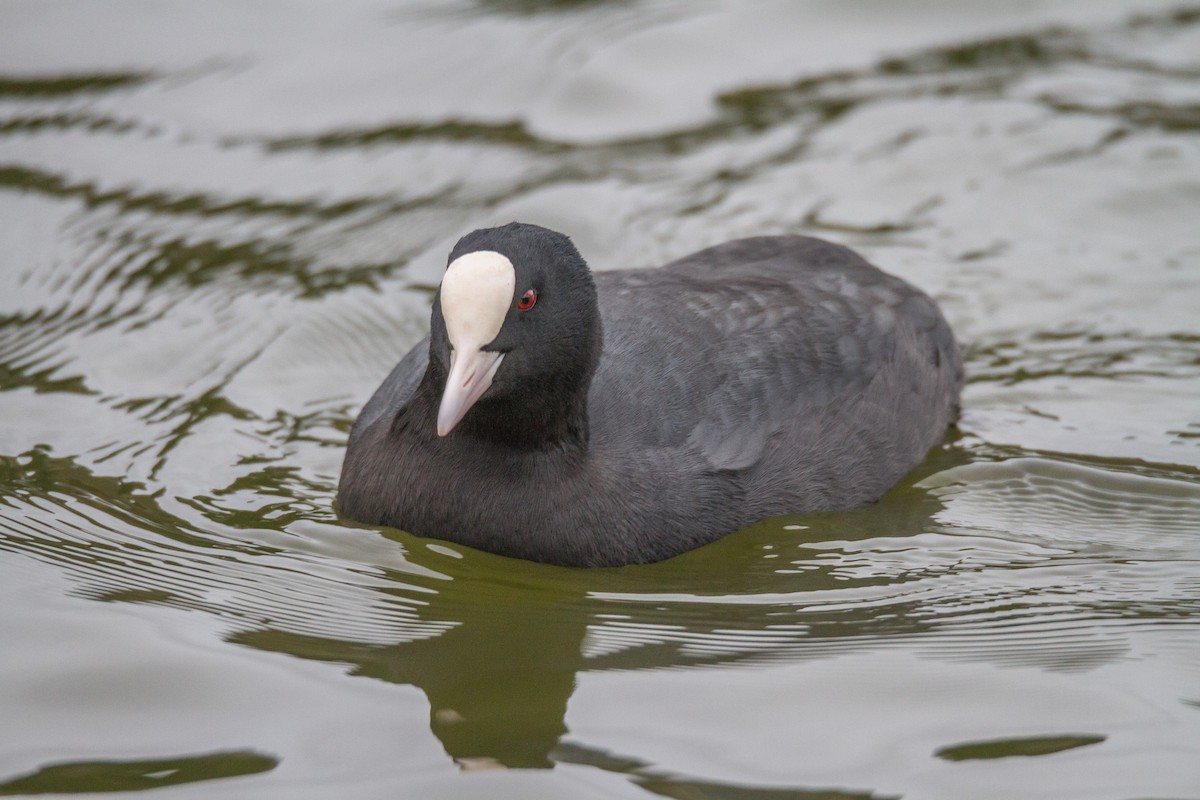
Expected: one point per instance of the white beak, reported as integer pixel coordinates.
(469, 378)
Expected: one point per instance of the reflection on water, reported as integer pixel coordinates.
(210, 258)
(133, 776)
(1017, 747)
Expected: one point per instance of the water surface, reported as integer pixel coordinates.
(221, 227)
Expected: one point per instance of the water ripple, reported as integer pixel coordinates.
(121, 544)
(207, 277)
(1088, 510)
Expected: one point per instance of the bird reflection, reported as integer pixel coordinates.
(498, 681)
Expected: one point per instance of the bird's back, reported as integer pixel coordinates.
(790, 360)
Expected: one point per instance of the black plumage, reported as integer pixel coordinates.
(640, 413)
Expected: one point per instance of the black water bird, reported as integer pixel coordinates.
(627, 416)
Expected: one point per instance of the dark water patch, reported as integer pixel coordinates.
(1007, 53)
(202, 205)
(26, 124)
(42, 378)
(1007, 748)
(1079, 152)
(192, 262)
(1192, 431)
(509, 134)
(88, 777)
(1168, 117)
(149, 596)
(817, 101)
(65, 85)
(530, 7)
(1184, 15)
(1040, 50)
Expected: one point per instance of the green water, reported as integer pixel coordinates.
(220, 224)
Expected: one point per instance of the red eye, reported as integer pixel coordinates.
(527, 300)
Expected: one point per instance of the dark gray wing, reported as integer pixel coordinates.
(395, 390)
(724, 347)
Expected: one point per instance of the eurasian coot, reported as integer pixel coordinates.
(621, 417)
